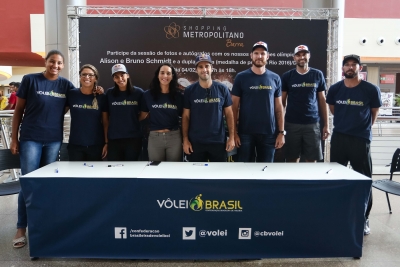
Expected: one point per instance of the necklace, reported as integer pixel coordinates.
(95, 104)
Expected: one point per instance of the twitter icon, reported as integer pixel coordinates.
(189, 233)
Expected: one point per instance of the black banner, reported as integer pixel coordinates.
(144, 43)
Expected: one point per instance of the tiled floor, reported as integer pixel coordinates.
(381, 247)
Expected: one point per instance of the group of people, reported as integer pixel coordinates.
(9, 102)
(214, 120)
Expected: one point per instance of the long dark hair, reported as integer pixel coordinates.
(129, 87)
(155, 88)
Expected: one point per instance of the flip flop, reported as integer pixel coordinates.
(19, 242)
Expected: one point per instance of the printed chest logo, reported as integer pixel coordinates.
(165, 106)
(85, 106)
(261, 87)
(125, 103)
(207, 100)
(312, 85)
(350, 102)
(51, 94)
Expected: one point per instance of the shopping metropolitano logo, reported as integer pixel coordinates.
(172, 31)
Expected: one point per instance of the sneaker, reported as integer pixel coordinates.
(367, 230)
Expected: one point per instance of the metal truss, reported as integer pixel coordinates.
(203, 12)
(73, 49)
(332, 52)
(332, 69)
(75, 12)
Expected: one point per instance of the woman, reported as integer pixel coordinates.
(89, 120)
(164, 103)
(124, 132)
(41, 99)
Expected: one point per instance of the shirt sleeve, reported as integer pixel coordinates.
(143, 105)
(330, 98)
(228, 98)
(140, 93)
(186, 98)
(285, 86)
(278, 90)
(237, 89)
(179, 103)
(376, 100)
(67, 102)
(70, 86)
(106, 100)
(103, 103)
(322, 84)
(23, 88)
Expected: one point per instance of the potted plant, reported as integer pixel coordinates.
(396, 112)
(397, 100)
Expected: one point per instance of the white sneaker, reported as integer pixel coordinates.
(367, 230)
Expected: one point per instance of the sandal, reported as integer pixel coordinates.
(19, 242)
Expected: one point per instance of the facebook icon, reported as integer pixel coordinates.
(120, 233)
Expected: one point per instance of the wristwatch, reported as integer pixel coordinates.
(282, 132)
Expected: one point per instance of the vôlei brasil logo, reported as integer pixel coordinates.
(198, 204)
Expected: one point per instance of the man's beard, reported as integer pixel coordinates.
(351, 76)
(258, 63)
(301, 64)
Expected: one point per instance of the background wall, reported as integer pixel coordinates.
(371, 30)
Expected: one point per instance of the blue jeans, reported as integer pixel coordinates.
(34, 155)
(256, 147)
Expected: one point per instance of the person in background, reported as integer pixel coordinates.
(164, 104)
(123, 107)
(3, 101)
(41, 102)
(89, 120)
(205, 103)
(354, 104)
(12, 101)
(182, 84)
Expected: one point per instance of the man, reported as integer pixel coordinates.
(355, 105)
(12, 101)
(257, 92)
(303, 89)
(205, 103)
